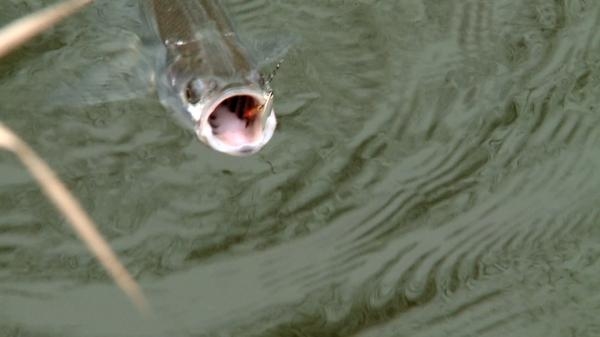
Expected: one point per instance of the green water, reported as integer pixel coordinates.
(436, 172)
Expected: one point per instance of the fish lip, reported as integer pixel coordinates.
(204, 130)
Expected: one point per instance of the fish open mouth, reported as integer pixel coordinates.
(235, 123)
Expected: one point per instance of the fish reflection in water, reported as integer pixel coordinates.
(209, 77)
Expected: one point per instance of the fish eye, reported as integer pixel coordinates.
(196, 89)
(193, 91)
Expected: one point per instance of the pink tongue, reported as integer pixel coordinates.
(235, 138)
(230, 128)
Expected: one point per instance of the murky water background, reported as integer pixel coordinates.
(436, 172)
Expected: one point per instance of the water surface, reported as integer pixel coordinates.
(436, 172)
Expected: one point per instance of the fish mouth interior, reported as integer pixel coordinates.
(235, 120)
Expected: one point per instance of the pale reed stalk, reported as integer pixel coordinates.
(11, 37)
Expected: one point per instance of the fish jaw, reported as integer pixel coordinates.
(238, 122)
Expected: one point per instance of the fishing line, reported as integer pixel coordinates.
(274, 72)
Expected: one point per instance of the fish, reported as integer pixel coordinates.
(208, 76)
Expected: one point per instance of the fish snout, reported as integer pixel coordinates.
(239, 122)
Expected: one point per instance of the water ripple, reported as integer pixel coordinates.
(435, 172)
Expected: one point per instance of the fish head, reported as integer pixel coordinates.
(231, 116)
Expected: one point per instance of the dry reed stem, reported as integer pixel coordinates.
(56, 191)
(11, 37)
(21, 30)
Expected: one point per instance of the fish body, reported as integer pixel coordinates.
(207, 75)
